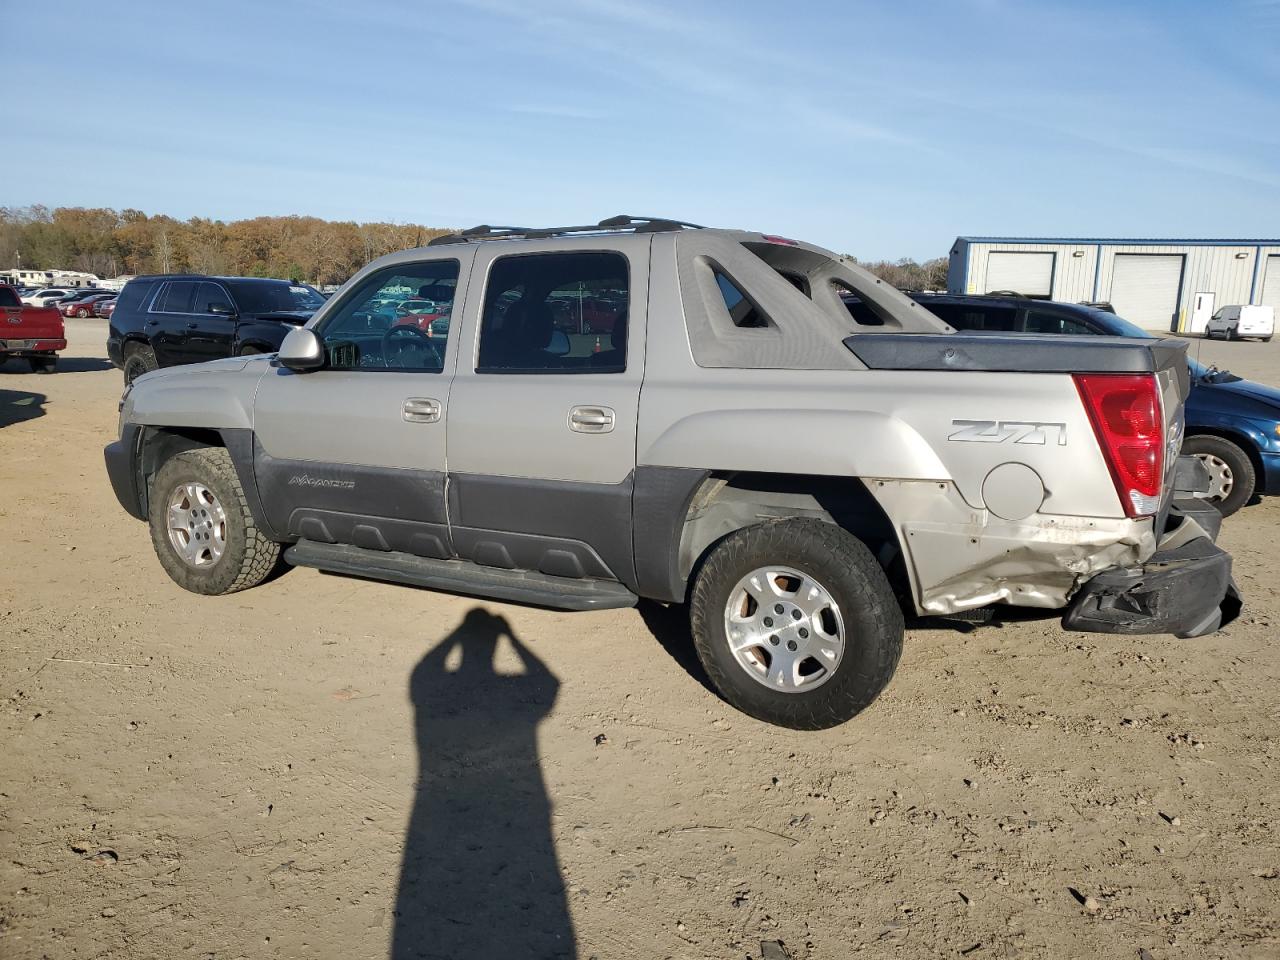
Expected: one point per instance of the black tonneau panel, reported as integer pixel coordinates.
(1020, 353)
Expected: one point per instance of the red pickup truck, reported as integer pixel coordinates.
(35, 333)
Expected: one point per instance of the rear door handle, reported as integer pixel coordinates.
(192, 325)
(591, 419)
(421, 410)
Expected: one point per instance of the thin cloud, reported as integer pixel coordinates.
(554, 110)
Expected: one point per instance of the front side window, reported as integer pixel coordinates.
(556, 313)
(396, 319)
(275, 296)
(211, 298)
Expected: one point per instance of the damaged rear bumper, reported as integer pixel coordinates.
(1184, 588)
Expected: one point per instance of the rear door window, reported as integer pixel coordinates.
(177, 296)
(556, 313)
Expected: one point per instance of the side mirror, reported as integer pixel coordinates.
(301, 350)
(222, 309)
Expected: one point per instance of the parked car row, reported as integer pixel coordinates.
(79, 302)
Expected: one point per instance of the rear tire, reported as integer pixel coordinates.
(137, 361)
(1227, 464)
(202, 529)
(855, 602)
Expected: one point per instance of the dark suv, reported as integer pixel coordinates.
(162, 321)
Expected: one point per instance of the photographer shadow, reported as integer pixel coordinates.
(480, 875)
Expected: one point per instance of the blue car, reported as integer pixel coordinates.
(1233, 424)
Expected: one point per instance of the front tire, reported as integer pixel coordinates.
(43, 364)
(1231, 474)
(796, 624)
(201, 526)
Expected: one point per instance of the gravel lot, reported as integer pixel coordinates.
(239, 777)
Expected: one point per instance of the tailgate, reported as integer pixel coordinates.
(31, 323)
(975, 351)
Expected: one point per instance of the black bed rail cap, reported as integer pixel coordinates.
(1033, 353)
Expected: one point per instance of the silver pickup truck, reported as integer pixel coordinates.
(584, 416)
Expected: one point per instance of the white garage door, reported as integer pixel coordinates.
(1144, 288)
(1271, 283)
(1030, 274)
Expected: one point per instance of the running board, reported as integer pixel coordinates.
(462, 576)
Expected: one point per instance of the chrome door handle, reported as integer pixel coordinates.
(421, 410)
(591, 419)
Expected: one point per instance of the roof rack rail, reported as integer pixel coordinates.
(619, 223)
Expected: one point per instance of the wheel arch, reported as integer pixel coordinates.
(1241, 440)
(158, 444)
(703, 507)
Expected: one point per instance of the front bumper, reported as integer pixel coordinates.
(1185, 588)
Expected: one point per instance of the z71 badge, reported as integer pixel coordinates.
(998, 431)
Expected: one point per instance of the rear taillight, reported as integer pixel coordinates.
(1125, 411)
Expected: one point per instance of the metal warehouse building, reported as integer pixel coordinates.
(1167, 285)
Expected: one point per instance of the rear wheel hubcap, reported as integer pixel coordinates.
(784, 628)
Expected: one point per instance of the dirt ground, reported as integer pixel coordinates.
(239, 777)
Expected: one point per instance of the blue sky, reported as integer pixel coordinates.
(879, 129)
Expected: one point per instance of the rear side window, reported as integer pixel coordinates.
(742, 311)
(176, 296)
(964, 316)
(556, 313)
(1047, 321)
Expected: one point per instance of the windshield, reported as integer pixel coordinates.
(8, 298)
(275, 296)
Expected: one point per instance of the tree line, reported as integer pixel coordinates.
(111, 243)
(907, 274)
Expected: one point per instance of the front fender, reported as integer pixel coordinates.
(213, 396)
